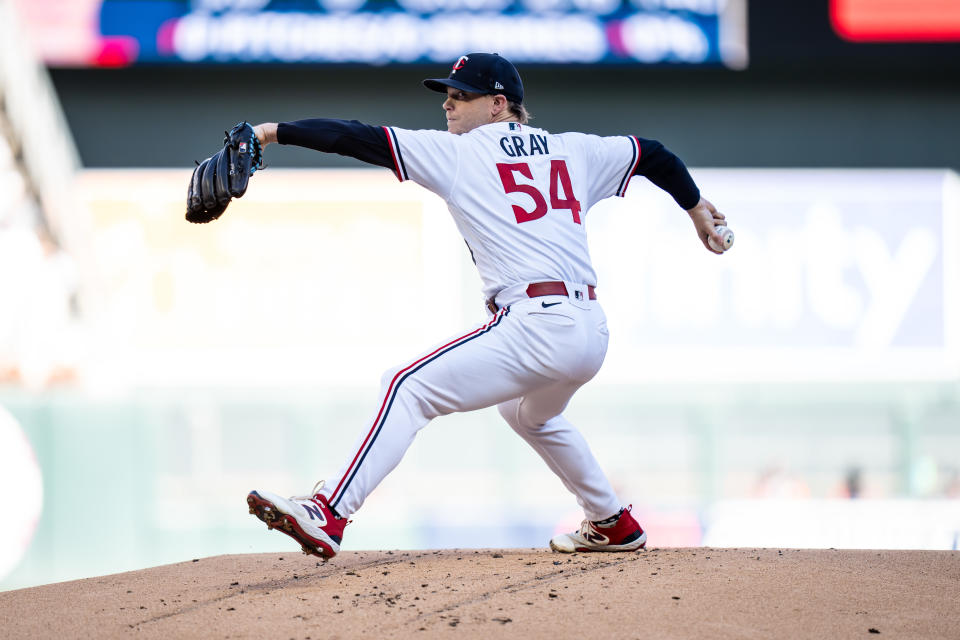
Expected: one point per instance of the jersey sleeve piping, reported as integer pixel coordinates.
(399, 167)
(625, 182)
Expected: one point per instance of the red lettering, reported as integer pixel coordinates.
(559, 180)
(558, 174)
(510, 186)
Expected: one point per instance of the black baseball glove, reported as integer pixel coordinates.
(224, 175)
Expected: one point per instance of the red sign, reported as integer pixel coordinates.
(896, 20)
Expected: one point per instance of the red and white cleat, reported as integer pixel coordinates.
(619, 533)
(307, 519)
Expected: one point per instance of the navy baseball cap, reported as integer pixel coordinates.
(486, 73)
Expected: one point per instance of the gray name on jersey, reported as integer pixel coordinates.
(515, 146)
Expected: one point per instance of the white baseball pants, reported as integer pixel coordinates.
(529, 360)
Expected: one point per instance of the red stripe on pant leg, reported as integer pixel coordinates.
(386, 397)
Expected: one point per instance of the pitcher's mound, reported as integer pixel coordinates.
(659, 593)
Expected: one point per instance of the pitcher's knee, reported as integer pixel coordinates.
(508, 411)
(397, 380)
(389, 379)
(416, 394)
(519, 419)
(529, 424)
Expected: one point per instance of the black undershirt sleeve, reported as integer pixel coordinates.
(661, 167)
(344, 137)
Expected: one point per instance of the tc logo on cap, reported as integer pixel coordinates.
(459, 63)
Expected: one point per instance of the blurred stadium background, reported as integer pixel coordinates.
(801, 391)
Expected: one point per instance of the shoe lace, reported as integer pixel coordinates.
(585, 528)
(316, 490)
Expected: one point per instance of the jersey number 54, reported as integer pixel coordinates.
(559, 179)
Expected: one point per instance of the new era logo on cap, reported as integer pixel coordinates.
(485, 73)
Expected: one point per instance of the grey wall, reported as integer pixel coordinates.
(169, 116)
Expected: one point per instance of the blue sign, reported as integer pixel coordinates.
(656, 32)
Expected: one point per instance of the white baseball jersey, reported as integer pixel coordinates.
(519, 195)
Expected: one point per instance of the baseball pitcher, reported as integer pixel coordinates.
(520, 196)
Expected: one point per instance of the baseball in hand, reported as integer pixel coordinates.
(727, 235)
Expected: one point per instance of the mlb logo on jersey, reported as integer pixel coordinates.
(514, 126)
(243, 147)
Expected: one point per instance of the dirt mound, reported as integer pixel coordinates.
(659, 593)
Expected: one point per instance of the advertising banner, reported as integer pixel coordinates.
(835, 275)
(126, 32)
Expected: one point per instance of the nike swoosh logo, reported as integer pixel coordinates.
(546, 306)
